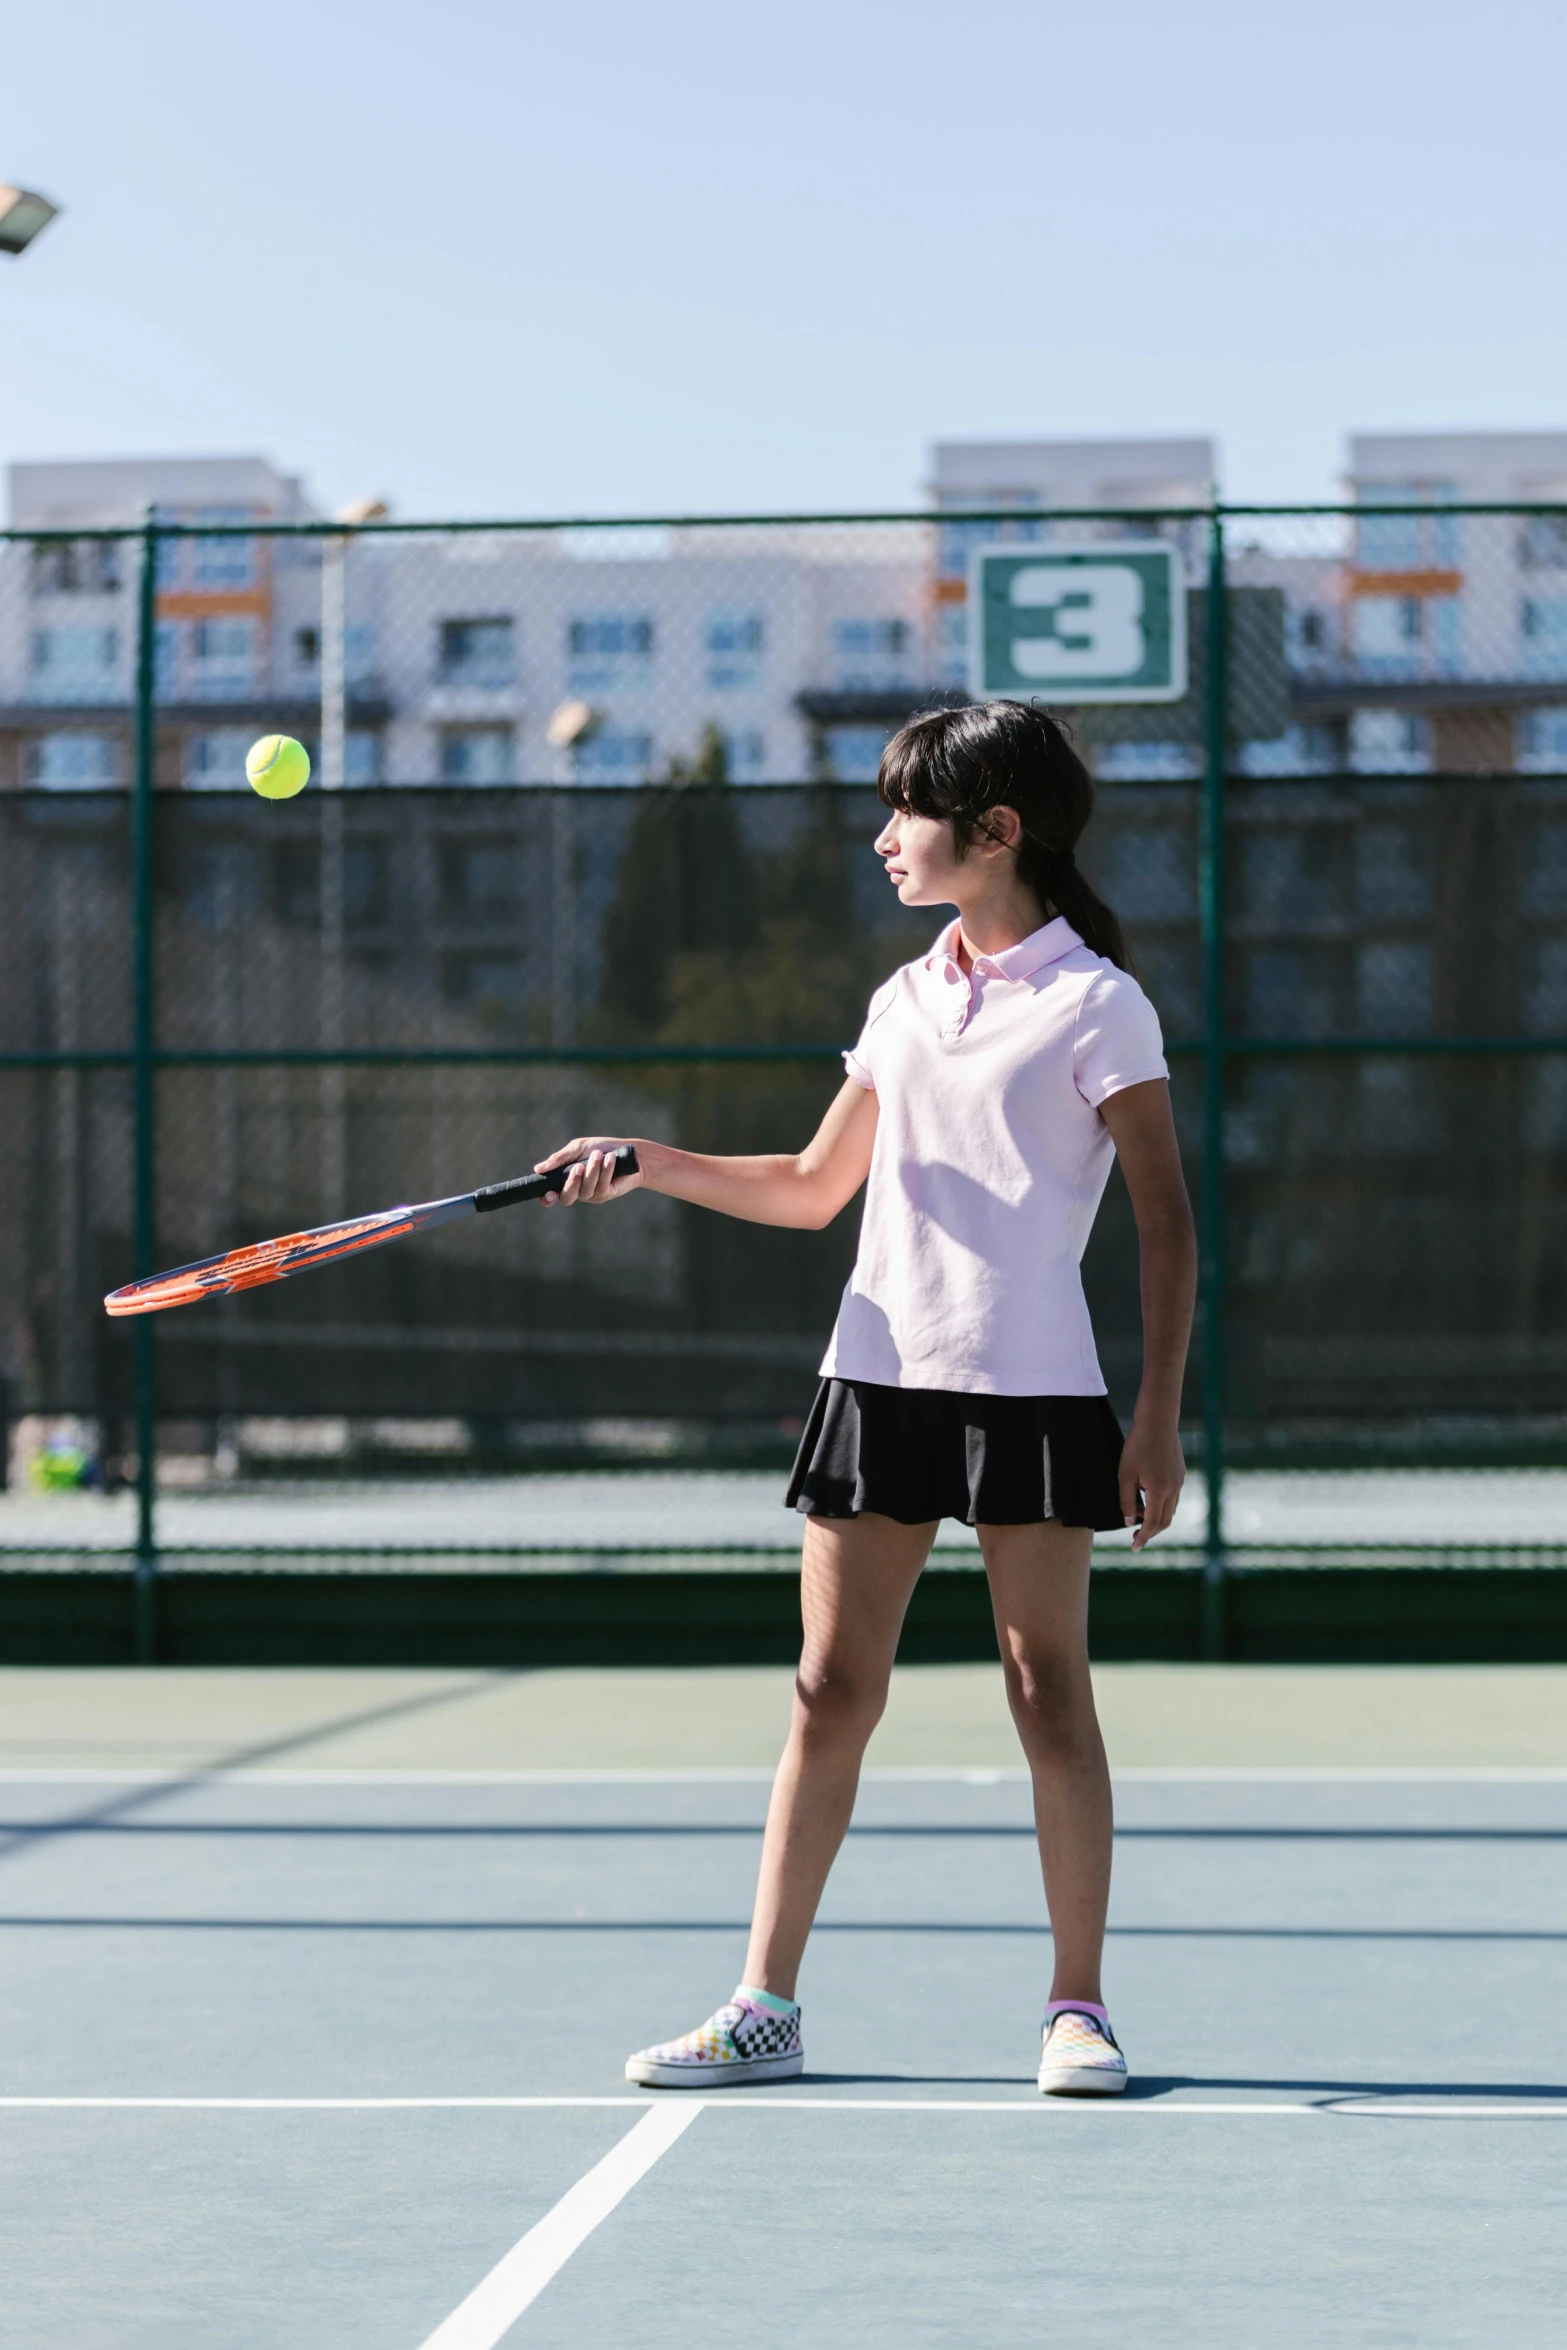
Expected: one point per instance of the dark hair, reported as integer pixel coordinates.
(959, 764)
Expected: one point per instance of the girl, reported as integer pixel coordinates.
(993, 1081)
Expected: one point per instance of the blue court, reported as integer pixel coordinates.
(305, 2059)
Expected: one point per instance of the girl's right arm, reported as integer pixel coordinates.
(804, 1189)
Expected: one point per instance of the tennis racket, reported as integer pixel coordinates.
(301, 1252)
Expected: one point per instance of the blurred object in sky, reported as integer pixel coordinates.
(22, 215)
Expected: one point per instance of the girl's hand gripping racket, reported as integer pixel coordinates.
(299, 1252)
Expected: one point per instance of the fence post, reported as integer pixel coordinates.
(144, 1092)
(1213, 1239)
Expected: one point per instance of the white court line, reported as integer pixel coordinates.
(1349, 2107)
(498, 2300)
(745, 1774)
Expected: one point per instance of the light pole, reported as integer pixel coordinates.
(567, 731)
(569, 728)
(22, 214)
(333, 774)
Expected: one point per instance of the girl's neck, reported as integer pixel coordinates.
(997, 922)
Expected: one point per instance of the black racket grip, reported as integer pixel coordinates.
(503, 1195)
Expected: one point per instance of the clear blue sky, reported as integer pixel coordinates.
(497, 256)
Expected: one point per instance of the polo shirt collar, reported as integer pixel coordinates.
(1048, 944)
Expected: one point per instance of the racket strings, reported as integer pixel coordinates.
(258, 1263)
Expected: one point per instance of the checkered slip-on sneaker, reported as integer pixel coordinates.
(740, 2043)
(1080, 2057)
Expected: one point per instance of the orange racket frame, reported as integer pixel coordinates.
(328, 1244)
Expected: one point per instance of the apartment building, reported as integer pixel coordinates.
(1426, 641)
(1461, 620)
(665, 636)
(1394, 642)
(228, 609)
(458, 647)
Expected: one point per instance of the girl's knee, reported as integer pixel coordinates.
(1051, 1697)
(831, 1701)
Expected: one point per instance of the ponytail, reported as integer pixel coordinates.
(1061, 887)
(957, 765)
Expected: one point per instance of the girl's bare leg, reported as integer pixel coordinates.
(1039, 1591)
(856, 1576)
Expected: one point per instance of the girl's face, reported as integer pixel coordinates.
(922, 859)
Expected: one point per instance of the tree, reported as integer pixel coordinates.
(687, 886)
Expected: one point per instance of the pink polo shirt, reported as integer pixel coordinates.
(989, 1164)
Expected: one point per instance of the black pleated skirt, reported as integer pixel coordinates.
(917, 1453)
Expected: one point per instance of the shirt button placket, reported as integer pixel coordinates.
(962, 1005)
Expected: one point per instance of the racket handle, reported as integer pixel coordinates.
(504, 1195)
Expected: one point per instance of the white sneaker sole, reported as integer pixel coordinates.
(649, 2074)
(1081, 2080)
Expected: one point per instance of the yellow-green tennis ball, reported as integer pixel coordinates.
(277, 766)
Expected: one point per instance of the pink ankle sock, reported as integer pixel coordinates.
(1077, 2007)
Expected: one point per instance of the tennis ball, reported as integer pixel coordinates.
(277, 766)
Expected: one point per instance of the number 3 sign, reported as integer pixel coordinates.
(1091, 623)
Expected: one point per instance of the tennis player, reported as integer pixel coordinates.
(993, 1082)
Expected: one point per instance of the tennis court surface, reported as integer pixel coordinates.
(308, 2055)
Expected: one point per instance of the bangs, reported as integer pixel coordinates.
(919, 775)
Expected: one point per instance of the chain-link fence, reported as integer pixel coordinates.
(592, 852)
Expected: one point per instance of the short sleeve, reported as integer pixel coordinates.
(860, 1059)
(1118, 1041)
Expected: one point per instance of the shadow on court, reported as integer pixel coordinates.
(300, 2062)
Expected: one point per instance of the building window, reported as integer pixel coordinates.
(745, 755)
(1545, 1105)
(1156, 762)
(956, 541)
(1393, 987)
(1287, 993)
(75, 664)
(76, 567)
(367, 884)
(1542, 741)
(215, 761)
(223, 659)
(358, 652)
(1389, 742)
(1309, 636)
(477, 754)
(1299, 750)
(1545, 987)
(1543, 546)
(74, 761)
(1395, 1111)
(1543, 622)
(1542, 869)
(613, 755)
(479, 881)
(852, 754)
(1444, 625)
(1392, 871)
(1406, 542)
(490, 986)
(1287, 877)
(478, 652)
(361, 756)
(608, 649)
(734, 649)
(1148, 872)
(223, 562)
(1387, 635)
(871, 655)
(1407, 636)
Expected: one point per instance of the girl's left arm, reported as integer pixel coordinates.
(1152, 1465)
